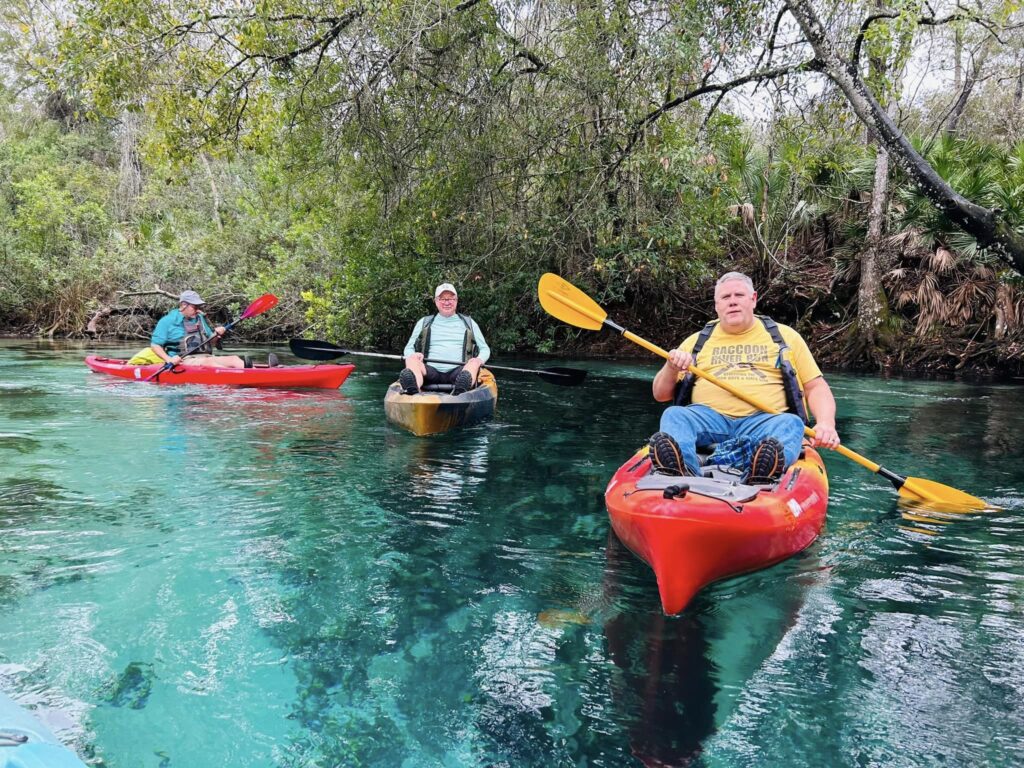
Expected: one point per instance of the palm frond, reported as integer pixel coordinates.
(906, 298)
(940, 261)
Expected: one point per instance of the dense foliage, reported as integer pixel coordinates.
(348, 157)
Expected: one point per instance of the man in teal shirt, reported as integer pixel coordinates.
(181, 330)
(444, 336)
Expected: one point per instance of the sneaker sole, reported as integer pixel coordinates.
(661, 445)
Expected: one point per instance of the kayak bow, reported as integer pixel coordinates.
(695, 530)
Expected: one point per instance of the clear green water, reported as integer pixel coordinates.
(195, 577)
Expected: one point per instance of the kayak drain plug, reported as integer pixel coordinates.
(676, 491)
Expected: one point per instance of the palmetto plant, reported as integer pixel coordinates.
(943, 272)
(794, 202)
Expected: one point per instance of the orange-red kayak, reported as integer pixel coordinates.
(696, 530)
(283, 376)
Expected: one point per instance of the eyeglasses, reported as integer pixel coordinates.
(447, 301)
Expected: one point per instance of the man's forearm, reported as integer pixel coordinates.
(823, 405)
(664, 385)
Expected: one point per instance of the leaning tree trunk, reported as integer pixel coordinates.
(871, 302)
(215, 200)
(129, 176)
(967, 86)
(1004, 311)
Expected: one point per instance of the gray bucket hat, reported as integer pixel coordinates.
(191, 297)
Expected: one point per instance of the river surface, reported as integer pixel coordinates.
(198, 578)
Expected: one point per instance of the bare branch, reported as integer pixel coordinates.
(925, 21)
(811, 65)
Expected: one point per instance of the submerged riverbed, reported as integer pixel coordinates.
(202, 577)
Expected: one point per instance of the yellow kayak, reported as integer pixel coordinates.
(436, 410)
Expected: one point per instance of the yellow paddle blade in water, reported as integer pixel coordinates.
(916, 489)
(936, 494)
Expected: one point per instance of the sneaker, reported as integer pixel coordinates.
(463, 383)
(767, 463)
(272, 361)
(666, 456)
(248, 361)
(407, 381)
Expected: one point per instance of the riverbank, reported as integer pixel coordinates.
(938, 359)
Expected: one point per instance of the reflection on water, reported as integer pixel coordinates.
(438, 472)
(200, 577)
(665, 688)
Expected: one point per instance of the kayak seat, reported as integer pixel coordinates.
(444, 389)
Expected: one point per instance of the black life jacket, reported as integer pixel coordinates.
(469, 345)
(790, 380)
(195, 335)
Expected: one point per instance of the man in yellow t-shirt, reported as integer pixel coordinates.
(741, 351)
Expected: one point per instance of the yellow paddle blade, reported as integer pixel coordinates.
(568, 303)
(937, 494)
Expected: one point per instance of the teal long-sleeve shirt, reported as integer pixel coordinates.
(447, 335)
(171, 330)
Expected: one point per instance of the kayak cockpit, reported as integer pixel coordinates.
(725, 486)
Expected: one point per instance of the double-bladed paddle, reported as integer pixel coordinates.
(258, 307)
(566, 302)
(324, 350)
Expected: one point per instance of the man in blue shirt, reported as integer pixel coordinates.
(444, 336)
(182, 330)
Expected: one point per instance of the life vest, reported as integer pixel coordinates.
(195, 335)
(790, 380)
(469, 345)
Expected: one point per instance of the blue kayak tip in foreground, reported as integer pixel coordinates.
(27, 743)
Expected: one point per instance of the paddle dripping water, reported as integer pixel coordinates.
(216, 577)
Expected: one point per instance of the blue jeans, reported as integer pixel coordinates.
(695, 426)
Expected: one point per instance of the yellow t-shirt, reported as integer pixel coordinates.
(748, 361)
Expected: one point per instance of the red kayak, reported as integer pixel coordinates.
(696, 530)
(284, 376)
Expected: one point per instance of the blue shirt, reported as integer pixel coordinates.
(447, 341)
(171, 330)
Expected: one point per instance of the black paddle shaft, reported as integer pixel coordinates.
(324, 350)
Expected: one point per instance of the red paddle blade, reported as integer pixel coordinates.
(261, 305)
